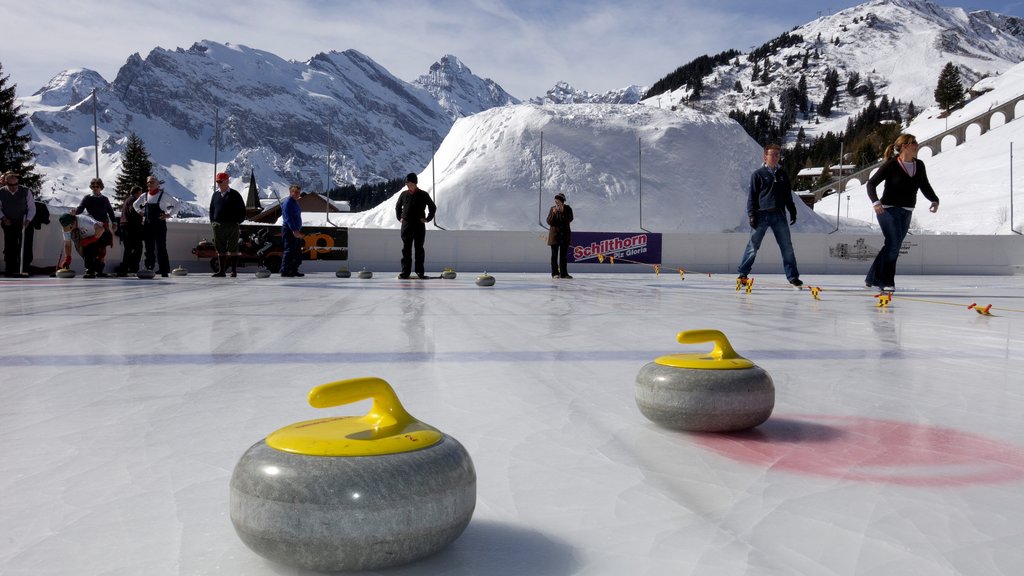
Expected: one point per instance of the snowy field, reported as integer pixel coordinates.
(896, 445)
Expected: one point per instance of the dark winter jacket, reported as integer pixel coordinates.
(97, 207)
(560, 232)
(227, 208)
(770, 191)
(414, 207)
(900, 188)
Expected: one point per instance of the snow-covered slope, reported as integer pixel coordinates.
(695, 169)
(898, 46)
(972, 180)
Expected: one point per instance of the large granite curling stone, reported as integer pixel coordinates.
(448, 274)
(343, 273)
(263, 273)
(65, 273)
(365, 274)
(145, 274)
(179, 271)
(485, 279)
(353, 493)
(715, 392)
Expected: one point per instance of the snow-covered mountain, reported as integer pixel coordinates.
(694, 166)
(277, 118)
(897, 47)
(564, 93)
(459, 91)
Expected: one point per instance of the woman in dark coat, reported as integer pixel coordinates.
(559, 236)
(903, 175)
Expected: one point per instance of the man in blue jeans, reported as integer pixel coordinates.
(291, 233)
(770, 197)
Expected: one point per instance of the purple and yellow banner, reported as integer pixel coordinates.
(625, 247)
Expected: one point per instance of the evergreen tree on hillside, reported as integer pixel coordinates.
(368, 195)
(15, 153)
(135, 168)
(949, 91)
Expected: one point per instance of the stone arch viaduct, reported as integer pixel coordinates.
(983, 122)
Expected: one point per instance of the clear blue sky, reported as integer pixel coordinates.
(526, 46)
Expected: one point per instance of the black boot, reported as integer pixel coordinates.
(221, 266)
(234, 265)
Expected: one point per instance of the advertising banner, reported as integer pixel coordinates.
(625, 247)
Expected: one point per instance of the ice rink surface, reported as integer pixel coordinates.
(896, 445)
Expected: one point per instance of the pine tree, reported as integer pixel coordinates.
(135, 168)
(949, 91)
(15, 153)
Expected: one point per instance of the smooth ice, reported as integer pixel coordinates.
(896, 445)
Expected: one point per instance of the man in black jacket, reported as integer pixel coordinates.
(227, 211)
(410, 212)
(770, 197)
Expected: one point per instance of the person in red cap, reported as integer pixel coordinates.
(227, 211)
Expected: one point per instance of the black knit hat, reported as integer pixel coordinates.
(412, 178)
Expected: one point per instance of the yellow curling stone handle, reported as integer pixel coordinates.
(722, 357)
(386, 429)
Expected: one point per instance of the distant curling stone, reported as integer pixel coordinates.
(715, 392)
(179, 271)
(65, 273)
(485, 279)
(263, 273)
(353, 493)
(343, 273)
(448, 274)
(145, 274)
(365, 274)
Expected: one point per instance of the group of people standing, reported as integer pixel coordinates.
(770, 197)
(90, 227)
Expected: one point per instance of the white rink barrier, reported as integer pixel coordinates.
(477, 250)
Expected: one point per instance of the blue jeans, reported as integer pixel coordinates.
(895, 223)
(780, 227)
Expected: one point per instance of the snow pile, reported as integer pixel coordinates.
(695, 166)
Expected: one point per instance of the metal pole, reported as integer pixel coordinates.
(433, 175)
(216, 144)
(839, 192)
(640, 170)
(327, 182)
(1011, 191)
(540, 188)
(96, 131)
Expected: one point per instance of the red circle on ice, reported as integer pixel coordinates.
(870, 450)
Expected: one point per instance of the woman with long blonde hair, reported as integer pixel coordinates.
(903, 175)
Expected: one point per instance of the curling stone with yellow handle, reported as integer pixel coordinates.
(353, 492)
(719, 391)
